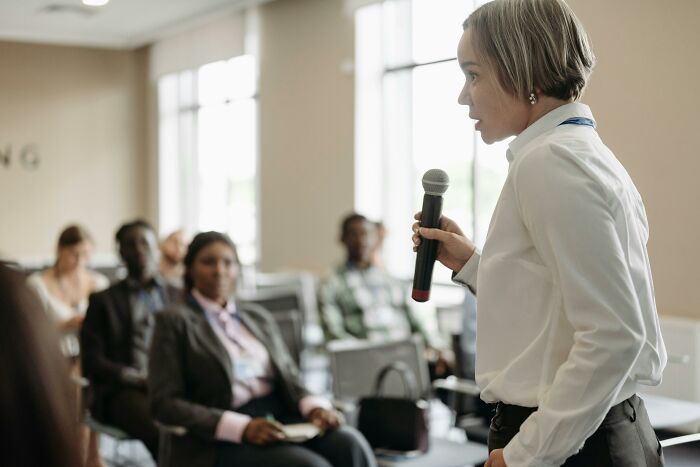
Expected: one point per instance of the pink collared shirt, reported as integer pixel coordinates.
(246, 346)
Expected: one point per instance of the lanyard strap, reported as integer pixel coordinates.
(579, 121)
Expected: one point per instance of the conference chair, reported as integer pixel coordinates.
(284, 306)
(354, 368)
(302, 283)
(116, 458)
(118, 438)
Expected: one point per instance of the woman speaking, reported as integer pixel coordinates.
(567, 323)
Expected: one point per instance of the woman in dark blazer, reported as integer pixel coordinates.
(221, 370)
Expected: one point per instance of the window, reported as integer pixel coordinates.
(208, 151)
(408, 121)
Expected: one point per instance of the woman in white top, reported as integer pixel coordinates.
(567, 323)
(63, 290)
(65, 287)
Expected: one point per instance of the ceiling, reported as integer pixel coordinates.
(121, 24)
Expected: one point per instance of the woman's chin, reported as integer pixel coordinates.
(486, 137)
(490, 138)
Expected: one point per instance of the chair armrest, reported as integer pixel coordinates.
(680, 440)
(454, 384)
(171, 429)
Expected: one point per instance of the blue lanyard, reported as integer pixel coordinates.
(579, 121)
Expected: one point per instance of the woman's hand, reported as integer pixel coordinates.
(454, 249)
(325, 419)
(261, 431)
(496, 459)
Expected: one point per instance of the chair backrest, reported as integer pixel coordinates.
(302, 283)
(273, 300)
(355, 366)
(285, 309)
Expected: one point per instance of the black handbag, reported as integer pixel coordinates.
(395, 423)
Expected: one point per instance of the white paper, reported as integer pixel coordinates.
(300, 432)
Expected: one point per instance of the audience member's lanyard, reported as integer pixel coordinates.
(579, 121)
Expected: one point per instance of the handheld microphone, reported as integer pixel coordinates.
(435, 183)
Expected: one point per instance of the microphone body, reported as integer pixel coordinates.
(427, 251)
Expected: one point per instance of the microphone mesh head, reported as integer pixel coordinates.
(435, 182)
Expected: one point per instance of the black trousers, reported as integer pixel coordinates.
(624, 439)
(342, 447)
(129, 411)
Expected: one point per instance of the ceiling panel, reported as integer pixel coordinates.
(119, 24)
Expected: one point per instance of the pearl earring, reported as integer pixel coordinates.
(533, 98)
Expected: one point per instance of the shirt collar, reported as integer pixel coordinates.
(211, 306)
(352, 266)
(546, 123)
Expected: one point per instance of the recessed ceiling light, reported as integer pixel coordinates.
(95, 2)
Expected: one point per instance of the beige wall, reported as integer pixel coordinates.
(644, 93)
(83, 109)
(306, 131)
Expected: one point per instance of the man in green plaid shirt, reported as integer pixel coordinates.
(360, 300)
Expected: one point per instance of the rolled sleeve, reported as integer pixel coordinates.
(231, 426)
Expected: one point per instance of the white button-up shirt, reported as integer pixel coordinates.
(566, 314)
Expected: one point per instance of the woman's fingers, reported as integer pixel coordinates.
(271, 433)
(434, 234)
(261, 431)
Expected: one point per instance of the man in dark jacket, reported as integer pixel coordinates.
(116, 335)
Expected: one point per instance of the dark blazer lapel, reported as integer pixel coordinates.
(258, 333)
(123, 305)
(208, 338)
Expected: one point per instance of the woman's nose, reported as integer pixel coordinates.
(464, 98)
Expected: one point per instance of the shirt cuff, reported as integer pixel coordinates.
(308, 403)
(515, 455)
(231, 426)
(468, 274)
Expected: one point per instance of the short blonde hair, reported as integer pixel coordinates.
(533, 44)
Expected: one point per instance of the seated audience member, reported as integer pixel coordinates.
(172, 253)
(361, 300)
(220, 369)
(116, 335)
(63, 290)
(37, 405)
